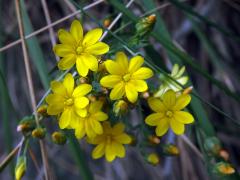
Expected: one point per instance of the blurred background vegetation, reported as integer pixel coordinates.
(203, 35)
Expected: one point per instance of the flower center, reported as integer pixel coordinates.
(69, 102)
(109, 139)
(169, 114)
(126, 77)
(79, 50)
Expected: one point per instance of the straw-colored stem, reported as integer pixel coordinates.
(30, 82)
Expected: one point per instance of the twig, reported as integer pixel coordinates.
(9, 157)
(30, 83)
(50, 25)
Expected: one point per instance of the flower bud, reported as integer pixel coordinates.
(27, 124)
(223, 168)
(212, 146)
(154, 139)
(39, 133)
(188, 90)
(106, 22)
(59, 138)
(20, 168)
(145, 25)
(153, 159)
(171, 150)
(42, 110)
(92, 98)
(145, 95)
(120, 107)
(83, 80)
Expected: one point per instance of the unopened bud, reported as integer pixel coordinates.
(42, 110)
(188, 90)
(120, 107)
(20, 168)
(223, 168)
(106, 22)
(153, 139)
(104, 90)
(83, 80)
(212, 146)
(171, 150)
(59, 138)
(39, 133)
(27, 124)
(224, 154)
(92, 98)
(153, 159)
(145, 95)
(145, 25)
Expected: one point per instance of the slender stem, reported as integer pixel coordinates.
(30, 83)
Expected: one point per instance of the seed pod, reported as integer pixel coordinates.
(153, 159)
(20, 168)
(39, 133)
(171, 150)
(59, 138)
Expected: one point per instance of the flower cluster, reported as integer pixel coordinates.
(97, 107)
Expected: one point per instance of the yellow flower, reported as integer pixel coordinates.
(79, 49)
(90, 123)
(127, 78)
(110, 142)
(168, 113)
(67, 101)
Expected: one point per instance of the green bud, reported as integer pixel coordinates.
(39, 133)
(26, 125)
(145, 25)
(212, 145)
(20, 168)
(171, 150)
(223, 169)
(59, 138)
(120, 107)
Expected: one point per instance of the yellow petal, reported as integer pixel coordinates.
(92, 37)
(96, 126)
(58, 88)
(100, 116)
(89, 130)
(142, 73)
(82, 90)
(169, 98)
(117, 92)
(54, 110)
(118, 128)
(154, 119)
(122, 60)
(139, 85)
(81, 112)
(110, 81)
(67, 62)
(96, 140)
(119, 149)
(156, 105)
(98, 151)
(95, 106)
(79, 130)
(81, 102)
(82, 68)
(97, 49)
(135, 63)
(65, 37)
(76, 30)
(113, 67)
(65, 118)
(162, 127)
(177, 127)
(55, 99)
(90, 61)
(68, 83)
(131, 93)
(182, 101)
(63, 50)
(110, 153)
(183, 117)
(123, 138)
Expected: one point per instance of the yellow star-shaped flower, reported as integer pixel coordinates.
(126, 78)
(168, 113)
(79, 49)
